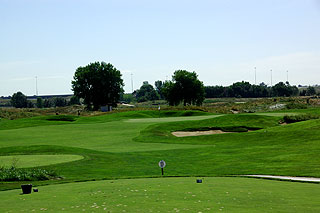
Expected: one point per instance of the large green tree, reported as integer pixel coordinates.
(185, 88)
(19, 100)
(99, 84)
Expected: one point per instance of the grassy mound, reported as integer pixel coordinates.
(161, 133)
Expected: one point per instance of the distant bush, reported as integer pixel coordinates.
(23, 174)
(298, 118)
(294, 105)
(59, 102)
(188, 113)
(61, 118)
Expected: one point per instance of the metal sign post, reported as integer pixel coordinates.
(162, 164)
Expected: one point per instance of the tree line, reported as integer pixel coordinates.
(100, 84)
(237, 90)
(19, 100)
(246, 90)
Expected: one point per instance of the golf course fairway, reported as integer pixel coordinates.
(110, 163)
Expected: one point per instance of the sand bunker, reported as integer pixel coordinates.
(197, 133)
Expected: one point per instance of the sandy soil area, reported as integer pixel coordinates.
(197, 133)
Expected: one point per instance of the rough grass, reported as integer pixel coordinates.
(26, 174)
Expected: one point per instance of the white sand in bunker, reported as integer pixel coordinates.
(197, 133)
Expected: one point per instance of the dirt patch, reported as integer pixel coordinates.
(197, 133)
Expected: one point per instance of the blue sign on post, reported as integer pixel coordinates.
(162, 164)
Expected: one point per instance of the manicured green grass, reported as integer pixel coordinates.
(130, 145)
(25, 161)
(113, 136)
(119, 149)
(168, 195)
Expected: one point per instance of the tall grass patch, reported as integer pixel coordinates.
(13, 173)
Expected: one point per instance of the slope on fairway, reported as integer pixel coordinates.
(6, 124)
(168, 195)
(275, 150)
(24, 161)
(113, 136)
(104, 133)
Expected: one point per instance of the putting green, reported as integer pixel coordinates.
(228, 194)
(24, 161)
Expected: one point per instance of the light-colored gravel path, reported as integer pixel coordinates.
(305, 179)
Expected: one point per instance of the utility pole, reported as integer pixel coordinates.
(271, 77)
(287, 76)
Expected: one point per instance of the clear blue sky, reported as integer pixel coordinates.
(221, 40)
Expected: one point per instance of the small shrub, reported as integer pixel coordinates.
(187, 113)
(25, 174)
(293, 105)
(61, 118)
(298, 118)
